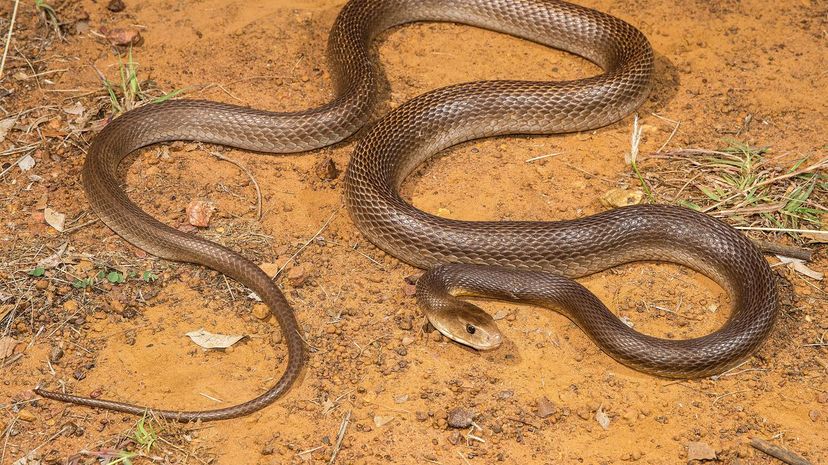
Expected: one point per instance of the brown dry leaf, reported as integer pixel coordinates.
(209, 340)
(7, 345)
(76, 109)
(199, 212)
(700, 451)
(53, 260)
(54, 219)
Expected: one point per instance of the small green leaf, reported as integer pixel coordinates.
(114, 277)
(37, 272)
(149, 276)
(82, 283)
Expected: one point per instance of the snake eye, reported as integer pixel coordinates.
(470, 329)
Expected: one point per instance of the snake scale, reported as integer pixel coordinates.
(534, 252)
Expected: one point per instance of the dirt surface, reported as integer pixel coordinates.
(750, 70)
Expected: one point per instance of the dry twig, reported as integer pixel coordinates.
(778, 452)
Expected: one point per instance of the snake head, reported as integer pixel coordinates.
(467, 324)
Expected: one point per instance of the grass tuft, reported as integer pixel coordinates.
(745, 185)
(126, 93)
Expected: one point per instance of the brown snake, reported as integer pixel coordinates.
(424, 126)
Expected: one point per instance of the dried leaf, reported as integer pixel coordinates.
(76, 109)
(500, 314)
(26, 163)
(5, 126)
(800, 267)
(700, 451)
(814, 236)
(53, 260)
(209, 340)
(602, 418)
(7, 345)
(381, 421)
(54, 219)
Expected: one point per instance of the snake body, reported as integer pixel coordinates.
(415, 131)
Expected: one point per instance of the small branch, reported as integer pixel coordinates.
(778, 452)
(784, 250)
(342, 428)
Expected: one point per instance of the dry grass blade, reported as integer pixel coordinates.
(745, 186)
(8, 38)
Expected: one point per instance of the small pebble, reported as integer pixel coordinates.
(56, 354)
(261, 311)
(460, 417)
(545, 408)
(26, 415)
(116, 6)
(298, 275)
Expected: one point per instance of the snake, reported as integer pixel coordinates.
(413, 132)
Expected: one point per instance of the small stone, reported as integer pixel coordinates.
(407, 341)
(460, 418)
(261, 311)
(405, 323)
(436, 336)
(822, 398)
(26, 415)
(199, 213)
(330, 329)
(630, 415)
(327, 169)
(122, 36)
(545, 408)
(454, 438)
(505, 395)
(42, 284)
(116, 305)
(56, 354)
(422, 416)
(700, 451)
(70, 306)
(298, 275)
(622, 197)
(270, 268)
(813, 415)
(410, 290)
(116, 6)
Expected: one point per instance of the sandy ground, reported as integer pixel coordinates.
(750, 69)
